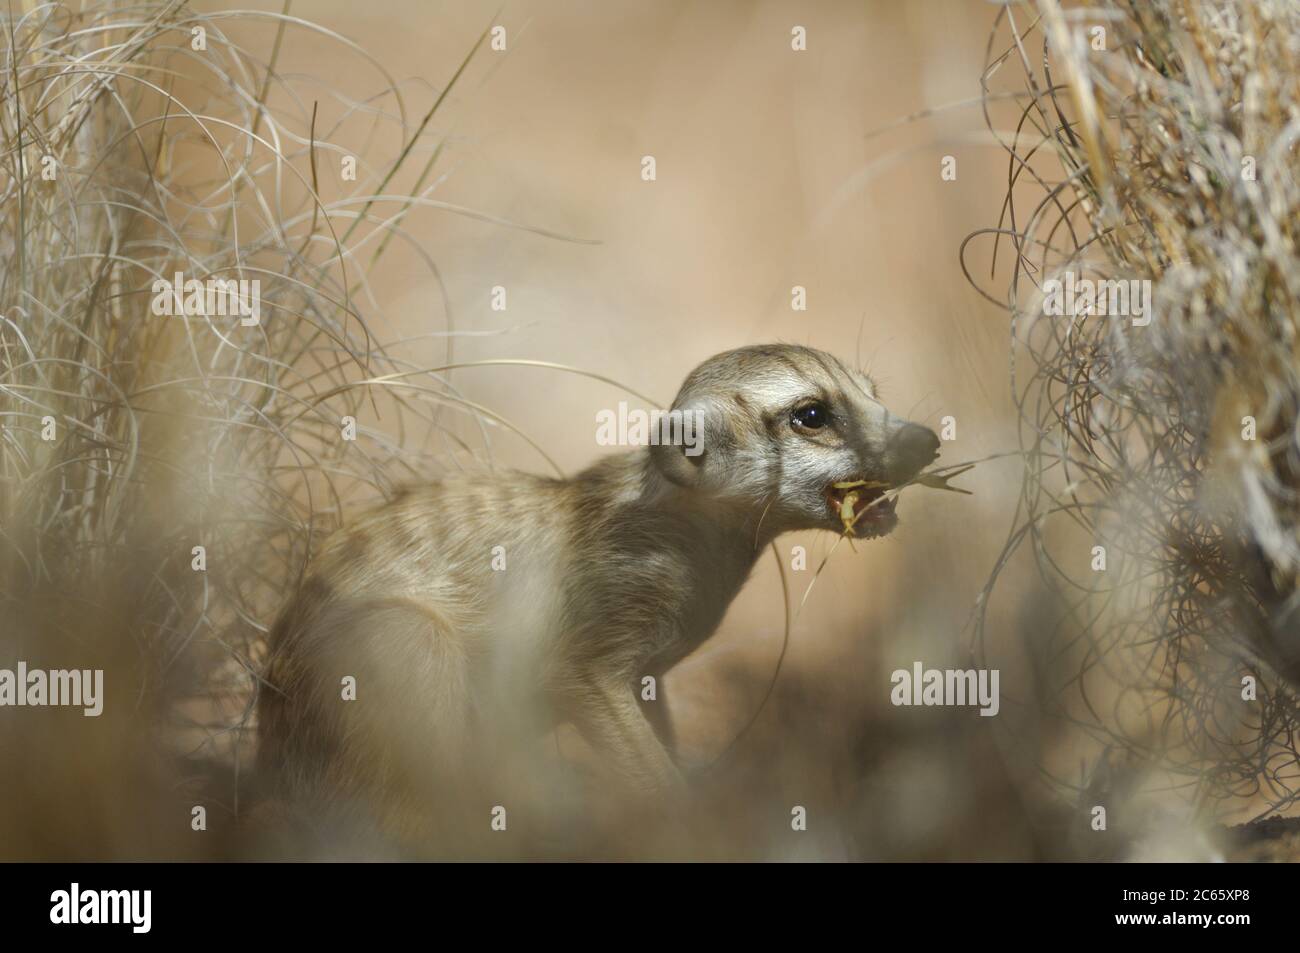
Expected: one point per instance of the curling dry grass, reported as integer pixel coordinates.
(138, 140)
(1170, 155)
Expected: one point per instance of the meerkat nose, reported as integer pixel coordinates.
(915, 448)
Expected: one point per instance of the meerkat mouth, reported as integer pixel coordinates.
(862, 508)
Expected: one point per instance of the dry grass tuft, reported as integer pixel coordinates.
(130, 438)
(1169, 156)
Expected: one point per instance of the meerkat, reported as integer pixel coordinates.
(477, 609)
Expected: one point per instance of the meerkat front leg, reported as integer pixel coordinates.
(612, 720)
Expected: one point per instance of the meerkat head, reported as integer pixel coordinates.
(778, 426)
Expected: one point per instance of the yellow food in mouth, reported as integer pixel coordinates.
(846, 508)
(854, 499)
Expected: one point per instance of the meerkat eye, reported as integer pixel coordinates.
(812, 416)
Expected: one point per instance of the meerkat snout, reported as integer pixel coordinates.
(912, 449)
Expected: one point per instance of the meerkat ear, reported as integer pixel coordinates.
(687, 441)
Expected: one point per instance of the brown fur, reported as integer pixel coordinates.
(611, 575)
